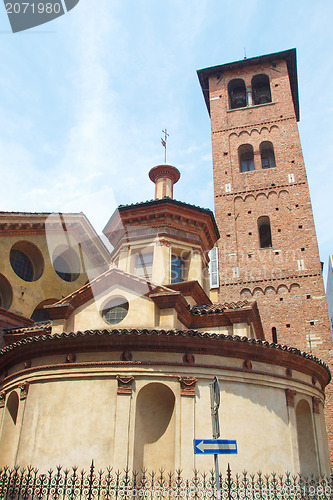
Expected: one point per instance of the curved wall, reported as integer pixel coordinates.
(119, 412)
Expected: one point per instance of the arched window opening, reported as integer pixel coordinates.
(264, 229)
(305, 438)
(267, 155)
(261, 91)
(12, 406)
(246, 157)
(237, 93)
(274, 335)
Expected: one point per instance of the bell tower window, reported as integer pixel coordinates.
(264, 229)
(267, 155)
(246, 157)
(261, 91)
(237, 94)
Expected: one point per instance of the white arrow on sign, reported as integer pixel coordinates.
(221, 446)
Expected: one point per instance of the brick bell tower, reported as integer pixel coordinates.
(268, 247)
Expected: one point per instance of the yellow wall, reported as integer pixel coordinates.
(74, 414)
(27, 295)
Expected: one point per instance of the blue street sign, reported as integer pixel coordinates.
(215, 446)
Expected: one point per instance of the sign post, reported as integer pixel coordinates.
(215, 446)
(214, 410)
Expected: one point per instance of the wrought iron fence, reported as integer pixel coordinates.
(64, 484)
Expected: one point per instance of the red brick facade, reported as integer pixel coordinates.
(285, 276)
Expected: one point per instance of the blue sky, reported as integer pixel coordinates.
(83, 99)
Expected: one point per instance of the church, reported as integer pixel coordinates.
(109, 356)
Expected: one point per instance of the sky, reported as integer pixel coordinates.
(84, 98)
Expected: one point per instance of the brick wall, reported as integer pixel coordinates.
(285, 278)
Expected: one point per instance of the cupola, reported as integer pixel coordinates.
(164, 177)
(164, 240)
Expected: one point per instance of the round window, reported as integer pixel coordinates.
(115, 310)
(26, 260)
(66, 263)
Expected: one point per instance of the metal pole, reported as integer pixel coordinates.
(217, 476)
(214, 406)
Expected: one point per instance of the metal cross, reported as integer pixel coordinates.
(164, 142)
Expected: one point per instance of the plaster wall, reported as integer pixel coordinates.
(73, 414)
(141, 311)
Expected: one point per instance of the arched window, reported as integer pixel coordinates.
(267, 155)
(274, 335)
(237, 93)
(246, 157)
(264, 229)
(261, 90)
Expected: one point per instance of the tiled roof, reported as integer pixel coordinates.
(37, 327)
(161, 200)
(58, 337)
(218, 308)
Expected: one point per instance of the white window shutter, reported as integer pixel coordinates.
(214, 268)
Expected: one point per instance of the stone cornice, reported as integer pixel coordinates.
(165, 341)
(165, 213)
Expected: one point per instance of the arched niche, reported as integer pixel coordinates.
(305, 439)
(154, 428)
(10, 430)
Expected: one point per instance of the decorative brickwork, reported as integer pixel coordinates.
(282, 273)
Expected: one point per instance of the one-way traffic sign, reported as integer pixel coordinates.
(215, 446)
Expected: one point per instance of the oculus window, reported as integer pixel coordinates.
(115, 310)
(26, 260)
(66, 263)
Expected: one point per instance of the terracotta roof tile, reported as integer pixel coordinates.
(37, 327)
(219, 308)
(58, 337)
